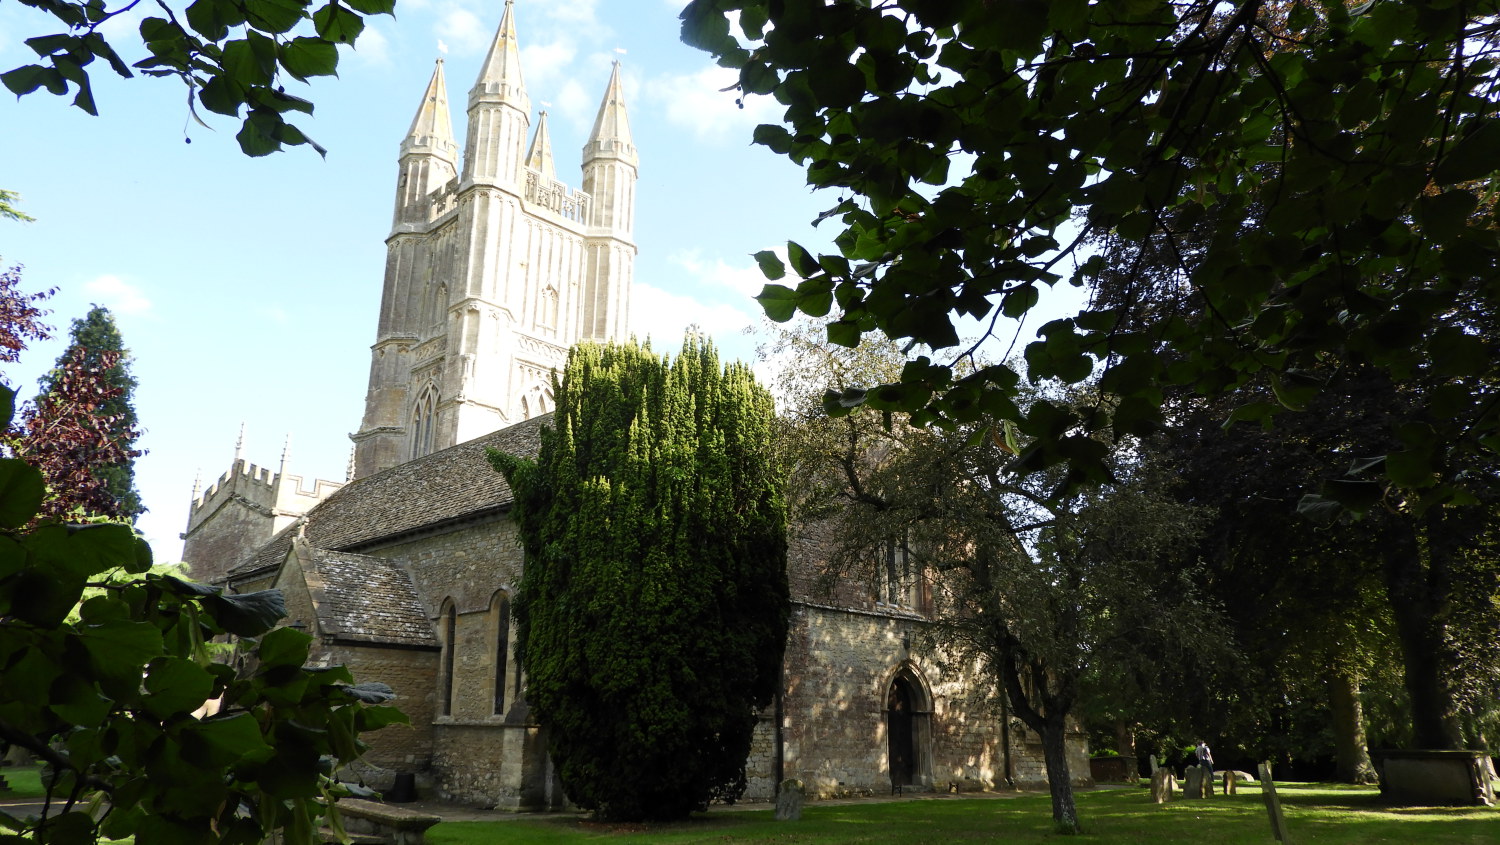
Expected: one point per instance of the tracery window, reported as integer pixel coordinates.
(423, 424)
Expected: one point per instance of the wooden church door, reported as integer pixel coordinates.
(899, 733)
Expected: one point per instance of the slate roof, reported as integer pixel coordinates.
(366, 599)
(453, 484)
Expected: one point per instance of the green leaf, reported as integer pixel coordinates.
(372, 7)
(249, 614)
(277, 16)
(303, 57)
(120, 649)
(22, 489)
(1473, 157)
(176, 685)
(258, 135)
(778, 301)
(213, 18)
(770, 266)
(27, 78)
(283, 647)
(338, 24)
(802, 261)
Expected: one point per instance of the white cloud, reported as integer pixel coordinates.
(698, 102)
(463, 31)
(664, 316)
(118, 295)
(744, 281)
(545, 63)
(373, 47)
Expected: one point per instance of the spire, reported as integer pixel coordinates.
(539, 157)
(286, 455)
(198, 485)
(349, 470)
(239, 445)
(500, 78)
(611, 135)
(432, 129)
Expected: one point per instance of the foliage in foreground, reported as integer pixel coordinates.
(108, 676)
(1319, 814)
(235, 56)
(652, 615)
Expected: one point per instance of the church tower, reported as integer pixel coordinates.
(494, 267)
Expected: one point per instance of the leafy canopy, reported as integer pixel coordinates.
(974, 151)
(235, 56)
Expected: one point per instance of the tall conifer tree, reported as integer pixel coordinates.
(92, 381)
(652, 615)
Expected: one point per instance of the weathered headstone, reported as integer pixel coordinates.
(789, 801)
(1163, 784)
(1231, 783)
(1154, 765)
(1208, 781)
(1273, 805)
(1192, 782)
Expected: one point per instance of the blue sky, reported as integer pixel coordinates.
(247, 289)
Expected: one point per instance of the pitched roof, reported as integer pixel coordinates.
(453, 484)
(365, 599)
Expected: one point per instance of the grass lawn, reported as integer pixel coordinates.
(25, 782)
(1316, 813)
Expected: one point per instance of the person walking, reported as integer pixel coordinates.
(1205, 759)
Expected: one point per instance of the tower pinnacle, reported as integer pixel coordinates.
(432, 129)
(500, 77)
(611, 135)
(539, 157)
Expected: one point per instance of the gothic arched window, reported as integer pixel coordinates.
(423, 424)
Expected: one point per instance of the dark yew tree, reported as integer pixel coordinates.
(652, 615)
(92, 378)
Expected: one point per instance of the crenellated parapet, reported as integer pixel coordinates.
(241, 512)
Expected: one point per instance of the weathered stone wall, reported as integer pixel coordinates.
(412, 674)
(465, 568)
(840, 666)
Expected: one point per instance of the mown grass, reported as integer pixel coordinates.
(1316, 813)
(24, 781)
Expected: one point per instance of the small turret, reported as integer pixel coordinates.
(499, 111)
(429, 156)
(609, 176)
(539, 157)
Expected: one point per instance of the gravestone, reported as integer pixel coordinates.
(1208, 781)
(1273, 805)
(789, 801)
(1163, 784)
(1231, 781)
(1192, 783)
(1154, 765)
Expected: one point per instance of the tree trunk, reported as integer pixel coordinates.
(1124, 738)
(1418, 592)
(1350, 752)
(1059, 779)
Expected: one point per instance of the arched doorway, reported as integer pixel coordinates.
(901, 734)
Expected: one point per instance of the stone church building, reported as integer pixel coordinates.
(405, 571)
